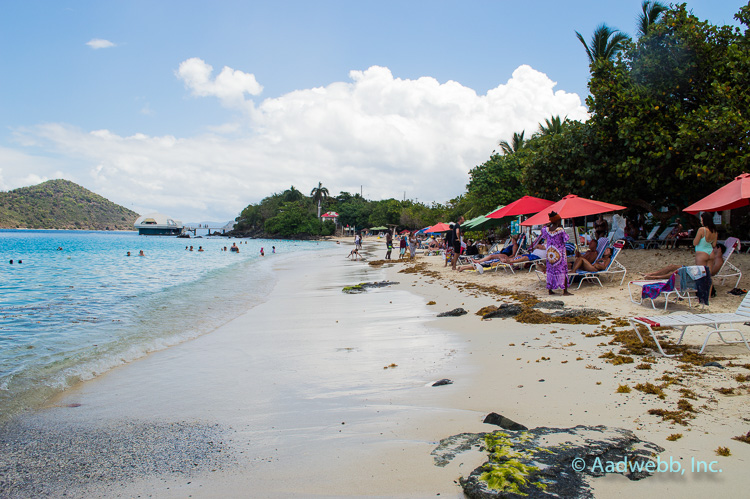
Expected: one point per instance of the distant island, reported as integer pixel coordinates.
(62, 204)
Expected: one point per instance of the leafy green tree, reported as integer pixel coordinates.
(292, 194)
(669, 121)
(496, 182)
(292, 220)
(385, 212)
(354, 211)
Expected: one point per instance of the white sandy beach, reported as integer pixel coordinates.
(302, 397)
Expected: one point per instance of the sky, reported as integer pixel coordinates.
(196, 109)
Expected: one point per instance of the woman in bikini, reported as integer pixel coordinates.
(705, 240)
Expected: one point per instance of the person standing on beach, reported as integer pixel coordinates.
(388, 245)
(557, 263)
(456, 241)
(601, 227)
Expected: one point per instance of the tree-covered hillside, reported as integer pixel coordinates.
(61, 204)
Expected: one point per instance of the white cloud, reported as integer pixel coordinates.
(98, 43)
(389, 135)
(230, 86)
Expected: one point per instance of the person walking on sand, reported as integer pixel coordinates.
(557, 263)
(457, 234)
(388, 244)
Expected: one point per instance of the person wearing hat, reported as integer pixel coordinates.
(557, 263)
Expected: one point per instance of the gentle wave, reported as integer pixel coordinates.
(72, 314)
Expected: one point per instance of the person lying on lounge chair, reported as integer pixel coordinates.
(485, 261)
(590, 254)
(582, 264)
(715, 261)
(539, 252)
(499, 256)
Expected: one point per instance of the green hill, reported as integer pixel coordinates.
(61, 204)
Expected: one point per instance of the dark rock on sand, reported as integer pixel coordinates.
(503, 422)
(556, 304)
(504, 310)
(551, 462)
(443, 382)
(713, 364)
(456, 312)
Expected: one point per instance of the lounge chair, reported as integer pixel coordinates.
(612, 269)
(684, 320)
(728, 269)
(668, 288)
(656, 243)
(645, 242)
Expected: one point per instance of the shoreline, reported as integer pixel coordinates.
(328, 411)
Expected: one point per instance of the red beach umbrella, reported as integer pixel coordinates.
(733, 195)
(522, 206)
(440, 227)
(571, 206)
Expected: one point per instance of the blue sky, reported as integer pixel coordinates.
(126, 98)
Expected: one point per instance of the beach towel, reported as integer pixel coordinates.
(655, 289)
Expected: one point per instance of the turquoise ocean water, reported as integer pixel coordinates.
(71, 314)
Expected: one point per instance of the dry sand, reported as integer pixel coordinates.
(301, 401)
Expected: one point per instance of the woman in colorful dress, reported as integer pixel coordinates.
(557, 262)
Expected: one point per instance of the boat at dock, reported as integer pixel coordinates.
(158, 224)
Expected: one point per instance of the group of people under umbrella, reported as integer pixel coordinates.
(550, 215)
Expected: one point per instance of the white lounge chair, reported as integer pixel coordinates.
(637, 287)
(684, 320)
(645, 242)
(614, 268)
(728, 269)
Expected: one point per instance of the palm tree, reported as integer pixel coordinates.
(651, 12)
(516, 144)
(606, 43)
(552, 126)
(318, 194)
